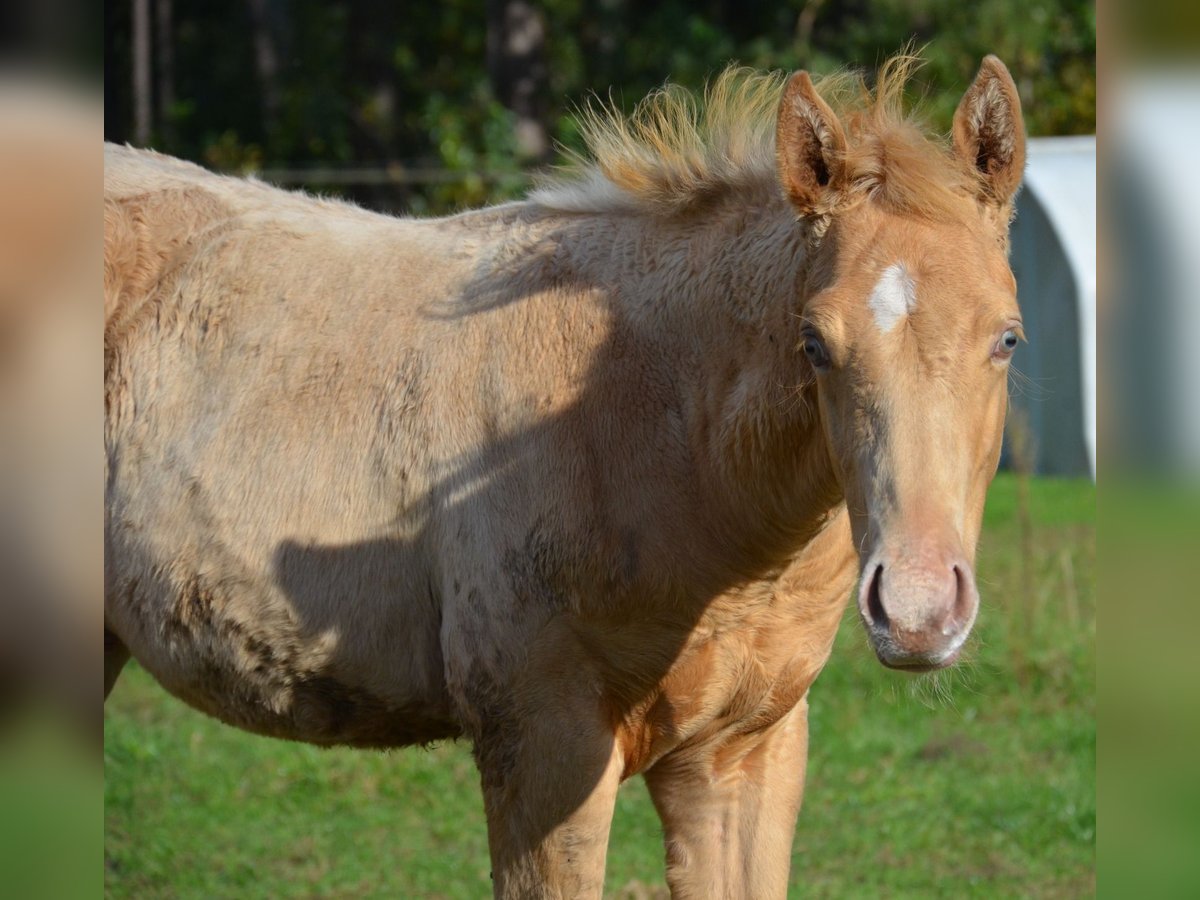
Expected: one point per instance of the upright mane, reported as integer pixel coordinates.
(678, 149)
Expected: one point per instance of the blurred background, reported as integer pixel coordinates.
(430, 107)
(979, 781)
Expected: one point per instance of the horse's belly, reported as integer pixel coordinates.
(324, 645)
(280, 683)
(314, 708)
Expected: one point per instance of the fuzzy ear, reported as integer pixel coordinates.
(809, 145)
(989, 132)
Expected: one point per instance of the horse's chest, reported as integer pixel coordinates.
(733, 681)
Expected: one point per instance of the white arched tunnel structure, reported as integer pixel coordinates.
(1054, 259)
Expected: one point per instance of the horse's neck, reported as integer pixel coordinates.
(723, 291)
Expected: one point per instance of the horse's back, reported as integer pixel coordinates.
(159, 211)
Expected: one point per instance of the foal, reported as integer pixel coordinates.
(586, 479)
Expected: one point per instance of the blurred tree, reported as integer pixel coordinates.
(265, 19)
(141, 70)
(516, 65)
(164, 47)
(454, 99)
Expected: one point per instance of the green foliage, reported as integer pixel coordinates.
(361, 83)
(476, 146)
(979, 781)
(1048, 45)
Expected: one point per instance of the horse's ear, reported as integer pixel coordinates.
(989, 133)
(809, 147)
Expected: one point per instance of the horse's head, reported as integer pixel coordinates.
(909, 325)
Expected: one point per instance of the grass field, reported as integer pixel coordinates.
(975, 782)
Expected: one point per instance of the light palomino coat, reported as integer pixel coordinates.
(585, 479)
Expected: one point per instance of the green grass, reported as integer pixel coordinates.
(975, 782)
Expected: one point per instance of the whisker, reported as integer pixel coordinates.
(1025, 386)
(796, 397)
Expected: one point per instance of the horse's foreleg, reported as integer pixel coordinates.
(729, 811)
(115, 657)
(550, 777)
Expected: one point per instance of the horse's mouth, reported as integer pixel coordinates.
(921, 666)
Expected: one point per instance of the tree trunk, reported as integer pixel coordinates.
(165, 58)
(373, 95)
(516, 63)
(142, 87)
(266, 63)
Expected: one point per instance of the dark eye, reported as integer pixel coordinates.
(815, 351)
(1008, 343)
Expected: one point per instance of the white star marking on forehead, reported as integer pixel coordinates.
(894, 297)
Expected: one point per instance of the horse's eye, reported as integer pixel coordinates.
(815, 351)
(1008, 343)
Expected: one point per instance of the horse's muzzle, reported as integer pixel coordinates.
(919, 611)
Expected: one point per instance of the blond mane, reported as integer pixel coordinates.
(678, 149)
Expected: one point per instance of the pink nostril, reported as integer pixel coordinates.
(966, 600)
(955, 604)
(879, 617)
